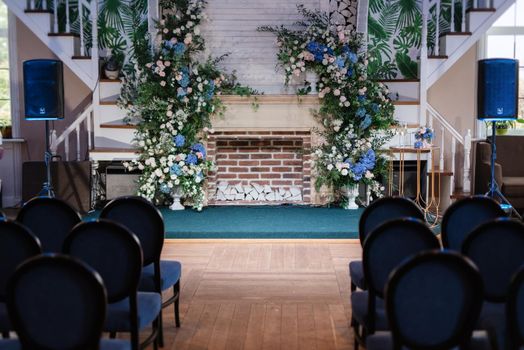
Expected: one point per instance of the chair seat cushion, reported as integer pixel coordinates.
(359, 309)
(493, 319)
(118, 314)
(105, 344)
(5, 325)
(384, 341)
(513, 186)
(356, 273)
(115, 344)
(170, 272)
(10, 344)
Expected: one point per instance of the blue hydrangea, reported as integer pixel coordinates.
(358, 170)
(198, 147)
(184, 82)
(366, 122)
(350, 72)
(175, 170)
(369, 160)
(164, 188)
(375, 107)
(361, 112)
(318, 50)
(179, 49)
(191, 159)
(341, 62)
(179, 140)
(211, 90)
(181, 92)
(361, 98)
(418, 144)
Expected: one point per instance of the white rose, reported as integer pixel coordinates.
(330, 167)
(344, 172)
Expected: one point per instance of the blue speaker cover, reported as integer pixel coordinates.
(43, 89)
(497, 94)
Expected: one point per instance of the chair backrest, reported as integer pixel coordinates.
(56, 302)
(497, 248)
(113, 251)
(50, 219)
(386, 209)
(143, 219)
(515, 311)
(17, 244)
(2, 216)
(465, 215)
(433, 301)
(390, 244)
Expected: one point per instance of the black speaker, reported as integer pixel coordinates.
(497, 94)
(44, 89)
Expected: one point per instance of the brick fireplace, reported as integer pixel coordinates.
(260, 167)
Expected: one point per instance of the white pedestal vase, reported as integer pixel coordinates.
(351, 194)
(177, 196)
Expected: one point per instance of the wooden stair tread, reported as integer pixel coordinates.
(38, 11)
(113, 150)
(405, 102)
(117, 125)
(64, 35)
(399, 81)
(441, 172)
(455, 34)
(106, 80)
(460, 195)
(489, 9)
(81, 57)
(437, 57)
(108, 103)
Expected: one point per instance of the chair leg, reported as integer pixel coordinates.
(159, 325)
(5, 335)
(112, 335)
(176, 290)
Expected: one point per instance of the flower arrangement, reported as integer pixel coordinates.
(423, 136)
(171, 96)
(355, 112)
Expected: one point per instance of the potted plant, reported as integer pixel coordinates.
(6, 128)
(502, 127)
(113, 64)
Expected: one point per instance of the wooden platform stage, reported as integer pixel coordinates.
(262, 294)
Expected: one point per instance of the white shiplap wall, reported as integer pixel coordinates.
(232, 28)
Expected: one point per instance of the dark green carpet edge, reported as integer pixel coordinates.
(260, 222)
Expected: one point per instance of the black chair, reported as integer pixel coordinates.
(515, 312)
(377, 213)
(433, 301)
(143, 219)
(465, 215)
(49, 219)
(17, 244)
(115, 253)
(56, 302)
(2, 216)
(384, 250)
(497, 248)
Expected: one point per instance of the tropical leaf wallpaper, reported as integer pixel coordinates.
(394, 34)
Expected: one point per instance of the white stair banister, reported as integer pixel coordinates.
(453, 159)
(55, 16)
(452, 24)
(463, 27)
(68, 23)
(423, 62)
(467, 162)
(94, 38)
(87, 118)
(81, 18)
(437, 27)
(442, 144)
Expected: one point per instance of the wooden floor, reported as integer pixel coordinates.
(260, 295)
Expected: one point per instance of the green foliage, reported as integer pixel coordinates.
(406, 66)
(355, 111)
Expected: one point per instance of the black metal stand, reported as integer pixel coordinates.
(47, 187)
(494, 190)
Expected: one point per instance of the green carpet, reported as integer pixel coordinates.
(261, 222)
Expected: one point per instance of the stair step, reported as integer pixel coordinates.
(64, 34)
(108, 103)
(117, 125)
(406, 102)
(38, 11)
(440, 173)
(399, 81)
(489, 9)
(113, 150)
(112, 154)
(438, 57)
(106, 80)
(460, 195)
(455, 34)
(81, 57)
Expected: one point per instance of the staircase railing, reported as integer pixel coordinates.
(86, 119)
(447, 130)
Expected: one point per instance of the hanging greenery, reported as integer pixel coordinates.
(355, 112)
(171, 96)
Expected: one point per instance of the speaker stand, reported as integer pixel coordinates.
(47, 187)
(494, 190)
